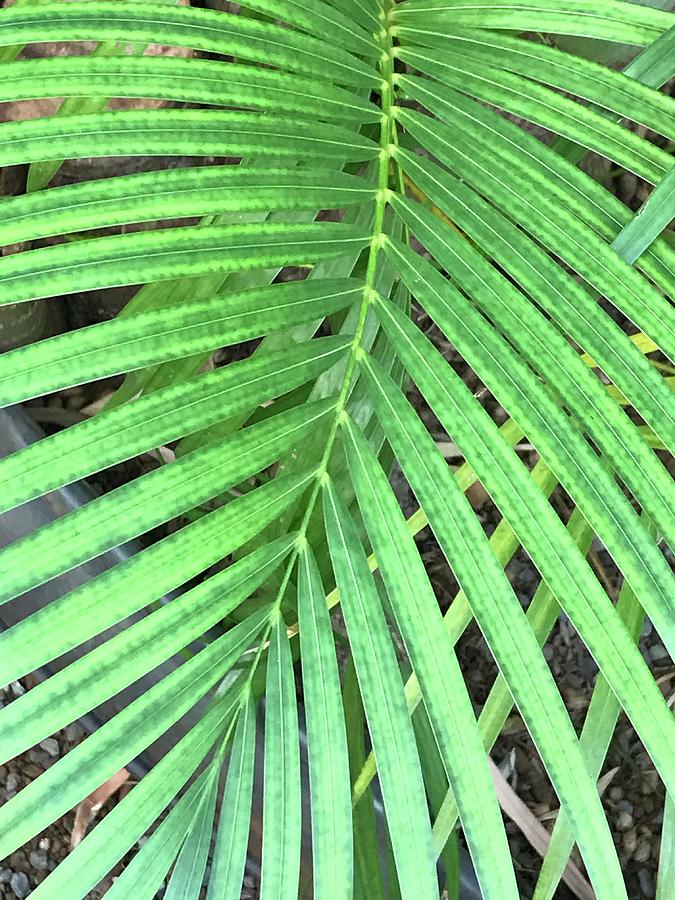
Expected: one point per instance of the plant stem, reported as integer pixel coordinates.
(387, 138)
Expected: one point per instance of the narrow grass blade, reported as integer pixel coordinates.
(655, 65)
(655, 215)
(666, 874)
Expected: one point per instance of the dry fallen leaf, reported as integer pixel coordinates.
(88, 808)
(538, 836)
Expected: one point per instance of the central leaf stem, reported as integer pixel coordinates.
(387, 139)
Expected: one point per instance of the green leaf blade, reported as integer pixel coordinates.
(117, 742)
(281, 793)
(229, 855)
(176, 193)
(448, 704)
(136, 507)
(170, 253)
(188, 873)
(502, 621)
(332, 849)
(128, 343)
(136, 651)
(199, 29)
(388, 720)
(157, 419)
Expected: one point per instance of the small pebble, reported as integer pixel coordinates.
(51, 745)
(616, 793)
(5, 875)
(44, 843)
(658, 652)
(646, 882)
(17, 688)
(625, 806)
(19, 884)
(643, 852)
(12, 784)
(41, 757)
(74, 732)
(38, 859)
(649, 782)
(624, 822)
(630, 842)
(627, 187)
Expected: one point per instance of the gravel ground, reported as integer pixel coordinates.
(26, 868)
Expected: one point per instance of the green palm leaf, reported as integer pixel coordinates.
(384, 703)
(326, 738)
(151, 863)
(369, 191)
(281, 816)
(229, 856)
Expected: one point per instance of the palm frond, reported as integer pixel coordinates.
(360, 169)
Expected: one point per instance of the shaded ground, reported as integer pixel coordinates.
(26, 868)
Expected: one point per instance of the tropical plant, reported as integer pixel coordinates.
(393, 115)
